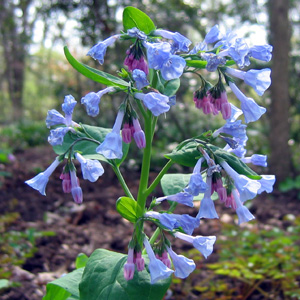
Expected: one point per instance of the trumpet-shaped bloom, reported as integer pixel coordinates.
(213, 61)
(187, 222)
(196, 184)
(267, 182)
(261, 52)
(91, 168)
(92, 100)
(207, 206)
(243, 213)
(204, 244)
(165, 219)
(140, 78)
(213, 35)
(235, 113)
(238, 51)
(57, 135)
(256, 159)
(39, 182)
(258, 79)
(68, 105)
(111, 148)
(98, 51)
(155, 102)
(182, 198)
(235, 129)
(251, 110)
(157, 54)
(180, 42)
(75, 188)
(183, 265)
(139, 135)
(173, 67)
(248, 188)
(129, 267)
(158, 270)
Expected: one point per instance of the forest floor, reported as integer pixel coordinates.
(94, 224)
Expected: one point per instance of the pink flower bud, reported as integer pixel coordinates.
(140, 262)
(126, 133)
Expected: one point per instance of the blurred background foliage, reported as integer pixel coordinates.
(35, 76)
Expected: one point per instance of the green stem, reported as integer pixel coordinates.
(142, 195)
(122, 181)
(159, 177)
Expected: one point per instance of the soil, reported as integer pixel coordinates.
(94, 224)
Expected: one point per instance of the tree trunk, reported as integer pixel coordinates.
(280, 36)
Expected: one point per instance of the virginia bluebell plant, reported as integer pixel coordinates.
(155, 61)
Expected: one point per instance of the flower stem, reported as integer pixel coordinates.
(122, 181)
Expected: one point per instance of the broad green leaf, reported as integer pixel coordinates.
(171, 87)
(133, 17)
(186, 155)
(94, 74)
(88, 148)
(174, 183)
(81, 260)
(65, 287)
(234, 162)
(127, 208)
(103, 279)
(199, 64)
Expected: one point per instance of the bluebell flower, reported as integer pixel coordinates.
(129, 267)
(267, 182)
(111, 147)
(173, 67)
(140, 78)
(235, 129)
(91, 168)
(213, 35)
(235, 113)
(213, 61)
(248, 188)
(98, 51)
(243, 213)
(92, 100)
(136, 33)
(139, 134)
(76, 190)
(39, 182)
(256, 159)
(172, 100)
(180, 42)
(207, 206)
(196, 184)
(185, 221)
(165, 219)
(57, 135)
(56, 118)
(157, 54)
(68, 105)
(202, 46)
(227, 40)
(251, 110)
(158, 270)
(238, 52)
(183, 265)
(182, 198)
(261, 52)
(239, 151)
(258, 79)
(204, 244)
(155, 102)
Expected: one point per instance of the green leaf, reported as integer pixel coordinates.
(103, 279)
(86, 147)
(64, 287)
(186, 155)
(199, 64)
(133, 17)
(174, 183)
(94, 74)
(171, 87)
(234, 162)
(81, 260)
(127, 208)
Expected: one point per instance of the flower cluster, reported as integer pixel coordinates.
(153, 60)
